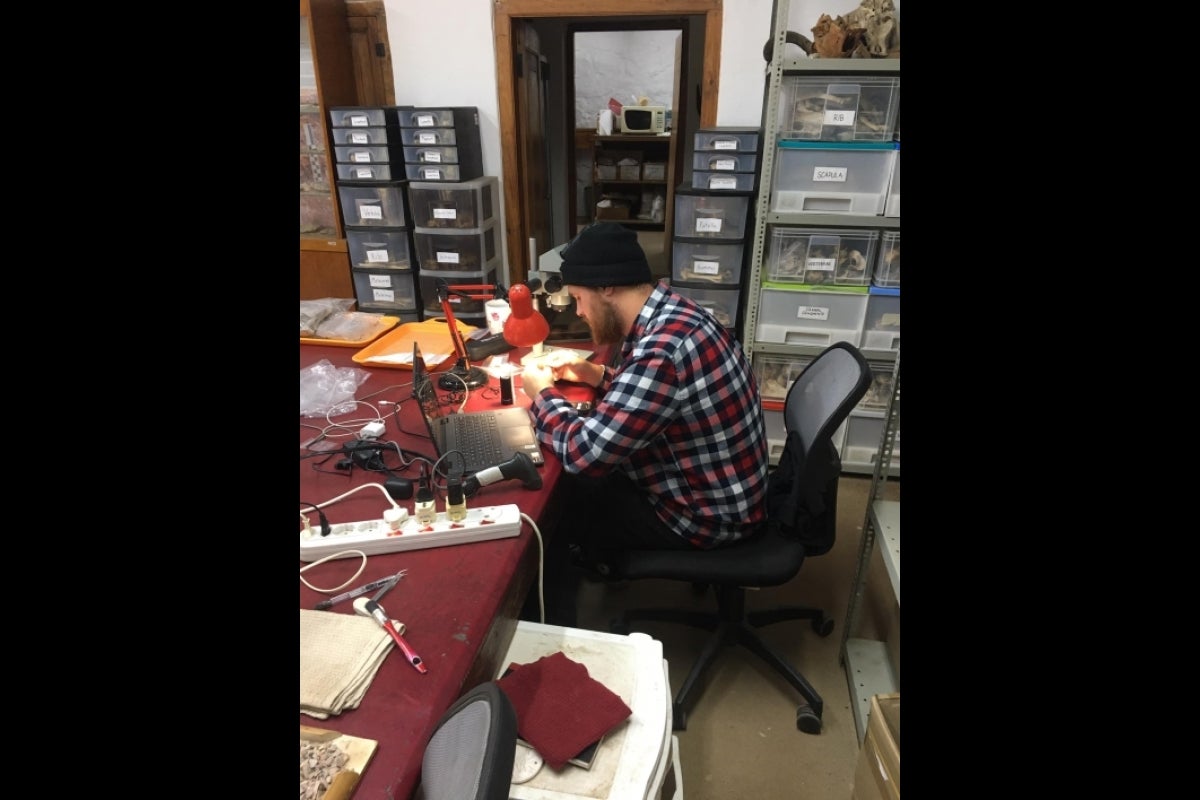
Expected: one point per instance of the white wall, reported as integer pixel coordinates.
(444, 55)
(622, 66)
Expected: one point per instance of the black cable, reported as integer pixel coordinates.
(326, 528)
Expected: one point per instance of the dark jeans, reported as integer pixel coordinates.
(599, 517)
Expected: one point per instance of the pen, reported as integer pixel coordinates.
(350, 595)
(378, 614)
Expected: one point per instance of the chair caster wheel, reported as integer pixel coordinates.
(678, 718)
(806, 720)
(823, 626)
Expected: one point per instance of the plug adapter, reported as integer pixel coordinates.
(372, 430)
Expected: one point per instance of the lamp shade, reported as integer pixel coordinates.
(525, 326)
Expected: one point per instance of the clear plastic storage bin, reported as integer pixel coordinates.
(724, 181)
(892, 208)
(832, 178)
(711, 216)
(454, 117)
(816, 319)
(719, 263)
(366, 172)
(390, 289)
(365, 136)
(428, 137)
(775, 374)
(834, 256)
(366, 154)
(430, 155)
(742, 140)
(373, 206)
(362, 117)
(881, 327)
(379, 248)
(887, 268)
(721, 303)
(455, 249)
(436, 172)
(468, 204)
(863, 434)
(880, 390)
(714, 161)
(838, 108)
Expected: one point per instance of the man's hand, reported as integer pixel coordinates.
(569, 366)
(536, 377)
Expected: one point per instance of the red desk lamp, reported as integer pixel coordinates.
(472, 376)
(525, 326)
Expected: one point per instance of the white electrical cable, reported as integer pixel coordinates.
(541, 556)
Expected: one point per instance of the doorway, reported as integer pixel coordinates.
(512, 20)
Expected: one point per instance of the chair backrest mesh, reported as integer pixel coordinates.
(825, 392)
(802, 490)
(454, 757)
(470, 754)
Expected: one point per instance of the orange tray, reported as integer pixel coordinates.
(394, 349)
(382, 326)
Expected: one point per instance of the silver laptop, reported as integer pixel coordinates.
(483, 438)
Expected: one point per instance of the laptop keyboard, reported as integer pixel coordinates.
(477, 439)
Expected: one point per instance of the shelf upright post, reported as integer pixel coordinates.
(770, 127)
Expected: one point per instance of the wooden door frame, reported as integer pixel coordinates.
(504, 11)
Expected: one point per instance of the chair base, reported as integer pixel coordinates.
(731, 626)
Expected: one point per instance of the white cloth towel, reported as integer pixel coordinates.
(339, 656)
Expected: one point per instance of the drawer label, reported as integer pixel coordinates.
(426, 138)
(431, 174)
(377, 256)
(425, 120)
(359, 138)
(706, 267)
(374, 211)
(361, 157)
(724, 164)
(383, 295)
(358, 121)
(445, 213)
(431, 157)
(724, 144)
(447, 258)
(839, 117)
(813, 312)
(835, 174)
(722, 182)
(364, 173)
(381, 281)
(708, 224)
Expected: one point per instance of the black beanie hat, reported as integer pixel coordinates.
(605, 254)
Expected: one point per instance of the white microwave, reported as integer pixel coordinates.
(643, 119)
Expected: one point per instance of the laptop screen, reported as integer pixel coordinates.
(426, 395)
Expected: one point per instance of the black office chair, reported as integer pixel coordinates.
(801, 522)
(471, 752)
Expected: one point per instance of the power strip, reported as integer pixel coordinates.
(374, 537)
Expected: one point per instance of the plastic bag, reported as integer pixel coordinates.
(329, 390)
(348, 325)
(313, 312)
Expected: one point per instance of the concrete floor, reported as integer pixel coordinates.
(741, 739)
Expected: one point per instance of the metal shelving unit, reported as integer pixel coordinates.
(868, 670)
(765, 219)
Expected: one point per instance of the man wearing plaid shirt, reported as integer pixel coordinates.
(674, 454)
